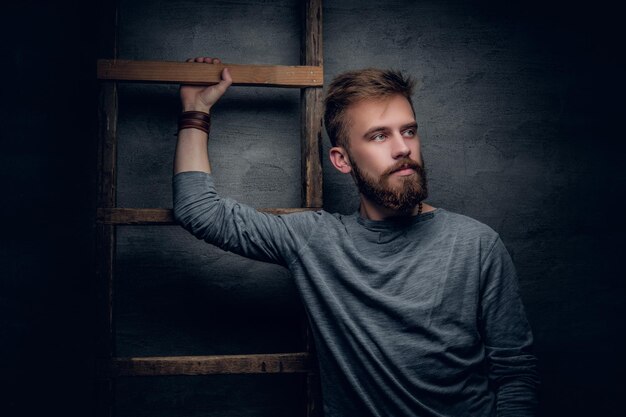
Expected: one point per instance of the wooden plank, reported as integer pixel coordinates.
(105, 233)
(202, 74)
(132, 216)
(163, 216)
(106, 197)
(313, 403)
(311, 148)
(105, 242)
(313, 395)
(311, 114)
(311, 108)
(209, 365)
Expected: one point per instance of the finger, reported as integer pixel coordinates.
(225, 82)
(226, 77)
(217, 61)
(189, 60)
(199, 59)
(220, 88)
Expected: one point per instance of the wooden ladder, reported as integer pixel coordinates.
(309, 78)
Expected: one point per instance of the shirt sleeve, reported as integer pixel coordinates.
(236, 227)
(507, 336)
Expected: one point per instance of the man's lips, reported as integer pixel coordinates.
(404, 171)
(402, 168)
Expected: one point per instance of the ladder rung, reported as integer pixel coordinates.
(202, 74)
(209, 365)
(163, 216)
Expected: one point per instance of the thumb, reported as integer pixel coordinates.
(210, 95)
(226, 76)
(225, 82)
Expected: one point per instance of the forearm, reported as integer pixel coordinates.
(191, 149)
(507, 336)
(236, 227)
(518, 397)
(192, 152)
(514, 377)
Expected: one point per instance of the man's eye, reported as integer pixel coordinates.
(378, 138)
(409, 133)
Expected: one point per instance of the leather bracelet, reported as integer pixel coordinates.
(194, 120)
(199, 126)
(199, 115)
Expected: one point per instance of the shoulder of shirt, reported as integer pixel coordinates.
(468, 224)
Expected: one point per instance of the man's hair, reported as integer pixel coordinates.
(355, 86)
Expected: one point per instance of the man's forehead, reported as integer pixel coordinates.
(367, 111)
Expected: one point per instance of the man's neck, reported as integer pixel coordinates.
(371, 211)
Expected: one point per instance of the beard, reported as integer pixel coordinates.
(401, 198)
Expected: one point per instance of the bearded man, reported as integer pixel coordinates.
(415, 310)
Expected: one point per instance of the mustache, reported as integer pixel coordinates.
(403, 164)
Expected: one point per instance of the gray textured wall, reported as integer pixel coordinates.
(516, 105)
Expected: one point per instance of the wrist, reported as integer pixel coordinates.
(194, 119)
(195, 107)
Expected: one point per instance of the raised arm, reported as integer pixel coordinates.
(191, 148)
(221, 221)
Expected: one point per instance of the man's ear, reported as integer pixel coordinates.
(340, 159)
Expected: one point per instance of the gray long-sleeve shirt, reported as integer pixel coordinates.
(412, 317)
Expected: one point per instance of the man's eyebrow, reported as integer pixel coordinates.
(375, 129)
(385, 128)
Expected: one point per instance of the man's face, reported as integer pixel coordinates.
(385, 155)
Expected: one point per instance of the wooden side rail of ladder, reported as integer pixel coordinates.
(309, 78)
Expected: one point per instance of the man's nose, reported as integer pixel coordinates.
(400, 149)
